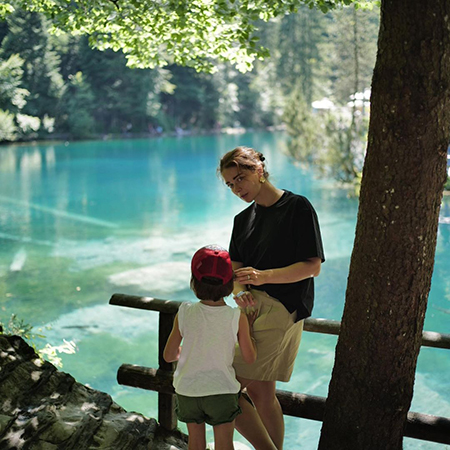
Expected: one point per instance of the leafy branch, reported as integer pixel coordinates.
(192, 33)
(18, 327)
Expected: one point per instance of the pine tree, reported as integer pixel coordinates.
(28, 37)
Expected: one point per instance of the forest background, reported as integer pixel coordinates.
(58, 87)
(316, 84)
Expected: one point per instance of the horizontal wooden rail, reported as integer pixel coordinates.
(324, 326)
(418, 426)
(148, 303)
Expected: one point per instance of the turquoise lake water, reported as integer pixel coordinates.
(81, 221)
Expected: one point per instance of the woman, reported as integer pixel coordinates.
(276, 251)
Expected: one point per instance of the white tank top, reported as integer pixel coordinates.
(209, 341)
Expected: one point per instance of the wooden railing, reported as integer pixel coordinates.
(420, 426)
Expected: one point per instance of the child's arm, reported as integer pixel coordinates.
(246, 342)
(172, 349)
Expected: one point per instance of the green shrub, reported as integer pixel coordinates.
(8, 129)
(18, 327)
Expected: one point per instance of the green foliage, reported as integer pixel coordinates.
(120, 94)
(332, 143)
(28, 37)
(352, 48)
(447, 184)
(300, 38)
(92, 92)
(249, 97)
(8, 129)
(50, 352)
(193, 33)
(338, 151)
(194, 101)
(78, 98)
(18, 327)
(5, 10)
(12, 95)
(13, 98)
(344, 146)
(241, 102)
(304, 129)
(28, 125)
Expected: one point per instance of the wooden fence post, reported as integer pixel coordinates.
(418, 426)
(166, 402)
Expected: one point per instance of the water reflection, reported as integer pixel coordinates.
(82, 221)
(26, 159)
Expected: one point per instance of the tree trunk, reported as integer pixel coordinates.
(393, 256)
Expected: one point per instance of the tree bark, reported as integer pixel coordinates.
(393, 256)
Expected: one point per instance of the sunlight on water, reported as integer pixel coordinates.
(83, 322)
(81, 221)
(154, 249)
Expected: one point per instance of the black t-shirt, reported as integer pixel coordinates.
(277, 236)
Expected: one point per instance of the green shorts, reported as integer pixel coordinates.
(212, 409)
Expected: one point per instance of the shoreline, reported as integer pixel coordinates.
(179, 133)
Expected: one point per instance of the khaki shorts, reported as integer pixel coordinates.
(277, 341)
(212, 409)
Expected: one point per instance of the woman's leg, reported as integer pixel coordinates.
(197, 436)
(269, 409)
(223, 436)
(250, 425)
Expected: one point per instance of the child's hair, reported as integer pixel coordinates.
(243, 158)
(212, 273)
(211, 288)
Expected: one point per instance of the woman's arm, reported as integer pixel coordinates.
(289, 274)
(246, 298)
(246, 342)
(172, 349)
(238, 287)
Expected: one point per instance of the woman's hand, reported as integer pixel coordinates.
(244, 299)
(249, 275)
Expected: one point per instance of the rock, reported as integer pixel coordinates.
(42, 408)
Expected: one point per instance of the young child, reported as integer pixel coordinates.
(205, 381)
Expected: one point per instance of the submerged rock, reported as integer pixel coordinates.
(42, 408)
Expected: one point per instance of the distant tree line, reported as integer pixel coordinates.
(57, 86)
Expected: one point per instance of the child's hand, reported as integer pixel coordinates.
(251, 317)
(244, 299)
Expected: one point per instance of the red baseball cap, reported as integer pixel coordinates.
(212, 261)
